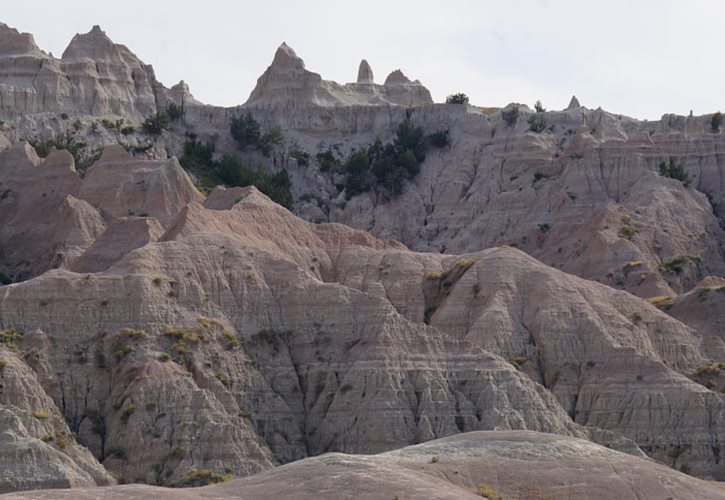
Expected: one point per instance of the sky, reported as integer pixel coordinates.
(641, 58)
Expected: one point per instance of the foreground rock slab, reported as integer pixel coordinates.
(515, 464)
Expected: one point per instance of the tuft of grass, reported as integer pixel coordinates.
(200, 477)
(127, 412)
(164, 357)
(224, 379)
(518, 361)
(487, 491)
(41, 414)
(663, 301)
(434, 459)
(158, 281)
(628, 231)
(345, 388)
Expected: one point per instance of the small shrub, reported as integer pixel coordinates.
(476, 288)
(636, 317)
(5, 279)
(64, 116)
(539, 108)
(164, 357)
(327, 161)
(628, 231)
(675, 171)
(345, 388)
(128, 130)
(459, 98)
(156, 124)
(716, 122)
(434, 459)
(302, 157)
(537, 124)
(174, 112)
(439, 139)
(47, 438)
(158, 281)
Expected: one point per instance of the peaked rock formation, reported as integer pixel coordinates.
(397, 78)
(573, 104)
(365, 73)
(95, 76)
(287, 84)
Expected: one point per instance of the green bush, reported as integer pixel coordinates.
(277, 186)
(537, 124)
(538, 107)
(459, 98)
(439, 139)
(248, 133)
(328, 162)
(675, 171)
(716, 122)
(157, 123)
(175, 112)
(302, 157)
(387, 165)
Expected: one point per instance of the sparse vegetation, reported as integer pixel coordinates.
(302, 157)
(11, 338)
(676, 264)
(121, 343)
(434, 459)
(628, 231)
(539, 108)
(328, 161)
(345, 388)
(459, 98)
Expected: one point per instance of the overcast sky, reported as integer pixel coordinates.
(642, 58)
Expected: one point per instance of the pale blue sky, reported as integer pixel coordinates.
(642, 58)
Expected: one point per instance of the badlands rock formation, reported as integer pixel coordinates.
(509, 464)
(227, 334)
(164, 335)
(93, 77)
(287, 84)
